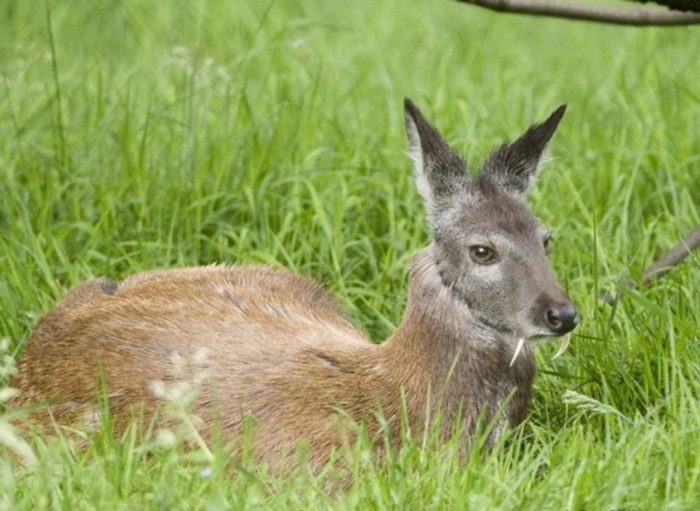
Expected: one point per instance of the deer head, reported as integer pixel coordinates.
(488, 249)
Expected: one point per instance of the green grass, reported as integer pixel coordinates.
(139, 134)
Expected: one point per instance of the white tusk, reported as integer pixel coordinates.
(562, 347)
(518, 349)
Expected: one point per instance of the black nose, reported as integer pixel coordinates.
(561, 318)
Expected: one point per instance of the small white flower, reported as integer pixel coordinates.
(200, 356)
(8, 393)
(158, 389)
(165, 438)
(8, 436)
(178, 362)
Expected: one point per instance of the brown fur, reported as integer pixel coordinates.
(279, 350)
(276, 348)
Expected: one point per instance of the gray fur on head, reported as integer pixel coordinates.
(516, 290)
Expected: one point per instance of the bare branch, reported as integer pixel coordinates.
(673, 256)
(663, 264)
(638, 16)
(678, 5)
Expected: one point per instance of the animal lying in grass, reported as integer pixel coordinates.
(275, 347)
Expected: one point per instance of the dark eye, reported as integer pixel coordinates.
(482, 255)
(546, 242)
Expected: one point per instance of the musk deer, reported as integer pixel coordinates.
(276, 347)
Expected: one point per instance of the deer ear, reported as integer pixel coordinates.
(515, 166)
(440, 172)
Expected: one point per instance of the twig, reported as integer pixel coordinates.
(637, 16)
(663, 264)
(673, 256)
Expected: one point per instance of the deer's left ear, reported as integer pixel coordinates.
(515, 166)
(440, 172)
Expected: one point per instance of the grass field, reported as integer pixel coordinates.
(140, 134)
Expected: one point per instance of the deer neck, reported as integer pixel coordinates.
(465, 363)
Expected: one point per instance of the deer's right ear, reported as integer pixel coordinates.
(515, 166)
(440, 172)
